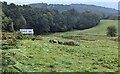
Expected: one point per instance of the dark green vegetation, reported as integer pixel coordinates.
(111, 31)
(105, 13)
(96, 52)
(45, 20)
(9, 44)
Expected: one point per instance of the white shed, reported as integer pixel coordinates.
(27, 31)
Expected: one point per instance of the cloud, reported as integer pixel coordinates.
(58, 1)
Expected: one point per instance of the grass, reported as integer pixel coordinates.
(98, 30)
(96, 53)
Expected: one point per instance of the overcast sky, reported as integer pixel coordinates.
(104, 3)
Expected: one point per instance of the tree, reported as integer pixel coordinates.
(111, 31)
(87, 20)
(20, 23)
(71, 17)
(44, 20)
(6, 23)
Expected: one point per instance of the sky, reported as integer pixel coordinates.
(104, 3)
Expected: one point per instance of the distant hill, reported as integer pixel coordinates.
(102, 11)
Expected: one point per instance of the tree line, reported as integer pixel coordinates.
(15, 17)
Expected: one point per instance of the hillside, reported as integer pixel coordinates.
(97, 30)
(79, 7)
(96, 53)
(45, 20)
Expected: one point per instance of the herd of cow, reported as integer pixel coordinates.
(71, 43)
(56, 41)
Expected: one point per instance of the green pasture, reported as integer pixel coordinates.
(96, 53)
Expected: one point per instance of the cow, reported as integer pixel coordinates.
(60, 42)
(53, 41)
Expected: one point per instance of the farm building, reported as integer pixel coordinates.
(27, 31)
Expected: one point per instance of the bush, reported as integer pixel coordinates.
(18, 35)
(28, 37)
(111, 31)
(9, 43)
(71, 43)
(7, 60)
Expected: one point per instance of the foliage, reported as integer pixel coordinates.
(9, 44)
(6, 23)
(18, 35)
(87, 20)
(111, 31)
(21, 23)
(48, 20)
(103, 12)
(8, 41)
(31, 37)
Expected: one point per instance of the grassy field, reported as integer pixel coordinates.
(96, 53)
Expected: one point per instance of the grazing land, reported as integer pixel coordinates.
(96, 52)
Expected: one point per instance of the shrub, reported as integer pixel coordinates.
(8, 61)
(18, 35)
(111, 31)
(6, 36)
(9, 43)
